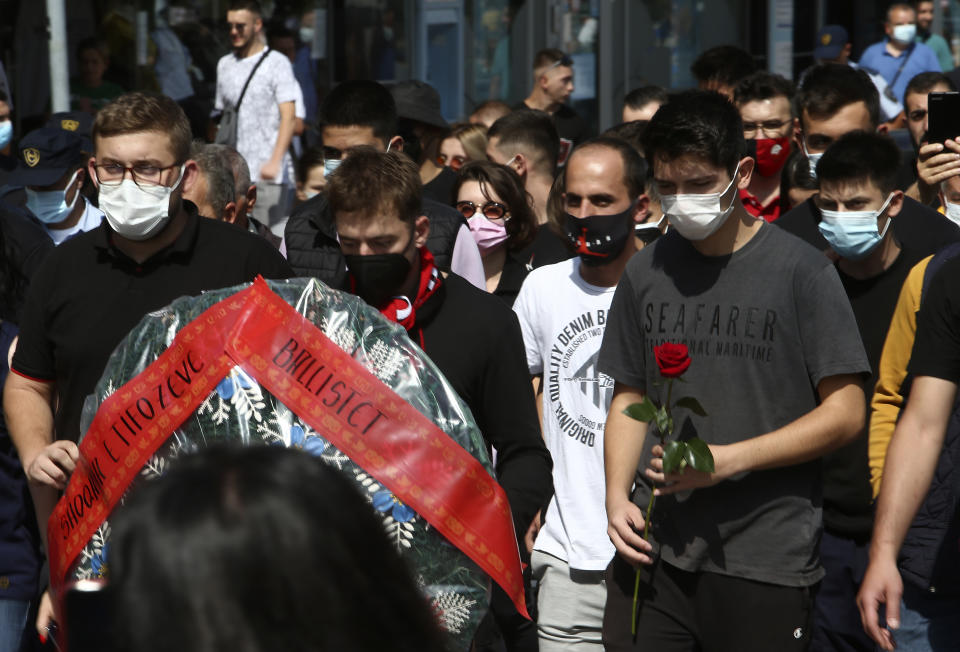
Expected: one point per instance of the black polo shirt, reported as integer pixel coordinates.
(88, 295)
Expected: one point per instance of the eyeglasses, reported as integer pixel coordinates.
(111, 174)
(917, 115)
(236, 26)
(455, 162)
(565, 60)
(493, 211)
(750, 128)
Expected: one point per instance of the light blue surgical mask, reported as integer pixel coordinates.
(331, 164)
(6, 133)
(904, 33)
(50, 206)
(853, 234)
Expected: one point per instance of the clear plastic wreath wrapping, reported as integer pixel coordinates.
(240, 410)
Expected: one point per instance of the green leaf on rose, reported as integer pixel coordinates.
(663, 422)
(644, 411)
(673, 452)
(691, 404)
(698, 455)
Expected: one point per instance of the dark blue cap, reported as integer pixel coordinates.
(78, 122)
(44, 155)
(831, 39)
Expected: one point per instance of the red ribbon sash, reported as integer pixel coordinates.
(324, 386)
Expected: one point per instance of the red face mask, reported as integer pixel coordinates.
(772, 154)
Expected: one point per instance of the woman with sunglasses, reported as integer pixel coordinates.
(464, 143)
(497, 209)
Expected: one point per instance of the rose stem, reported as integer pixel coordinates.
(646, 522)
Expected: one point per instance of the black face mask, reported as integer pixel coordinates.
(378, 277)
(598, 239)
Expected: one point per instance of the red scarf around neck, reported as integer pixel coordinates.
(403, 311)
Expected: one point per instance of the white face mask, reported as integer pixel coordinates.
(952, 211)
(904, 34)
(812, 160)
(137, 213)
(698, 216)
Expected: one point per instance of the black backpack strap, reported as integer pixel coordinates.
(243, 92)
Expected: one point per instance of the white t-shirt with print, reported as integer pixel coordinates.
(563, 318)
(259, 119)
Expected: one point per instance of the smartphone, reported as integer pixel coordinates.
(943, 115)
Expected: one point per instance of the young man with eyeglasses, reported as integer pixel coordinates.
(764, 101)
(602, 186)
(266, 119)
(471, 335)
(552, 87)
(91, 290)
(835, 100)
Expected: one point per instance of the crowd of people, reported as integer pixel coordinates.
(798, 239)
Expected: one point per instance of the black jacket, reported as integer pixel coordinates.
(474, 339)
(313, 250)
(928, 557)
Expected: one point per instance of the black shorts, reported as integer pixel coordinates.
(680, 611)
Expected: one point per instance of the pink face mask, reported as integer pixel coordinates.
(488, 234)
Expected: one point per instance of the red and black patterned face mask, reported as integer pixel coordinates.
(771, 155)
(598, 239)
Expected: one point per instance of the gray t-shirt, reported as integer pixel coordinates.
(764, 326)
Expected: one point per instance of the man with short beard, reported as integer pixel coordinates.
(268, 112)
(472, 336)
(602, 187)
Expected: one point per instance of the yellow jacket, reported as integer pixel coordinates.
(887, 400)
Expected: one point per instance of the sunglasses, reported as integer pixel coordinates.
(491, 210)
(455, 162)
(565, 60)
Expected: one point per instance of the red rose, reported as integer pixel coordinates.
(673, 359)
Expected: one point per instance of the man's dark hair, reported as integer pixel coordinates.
(250, 5)
(632, 134)
(548, 57)
(861, 156)
(533, 134)
(201, 529)
(926, 81)
(640, 97)
(374, 183)
(724, 64)
(698, 123)
(828, 87)
(312, 157)
(762, 85)
(361, 103)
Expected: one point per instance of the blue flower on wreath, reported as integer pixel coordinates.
(384, 502)
(98, 563)
(227, 387)
(299, 439)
